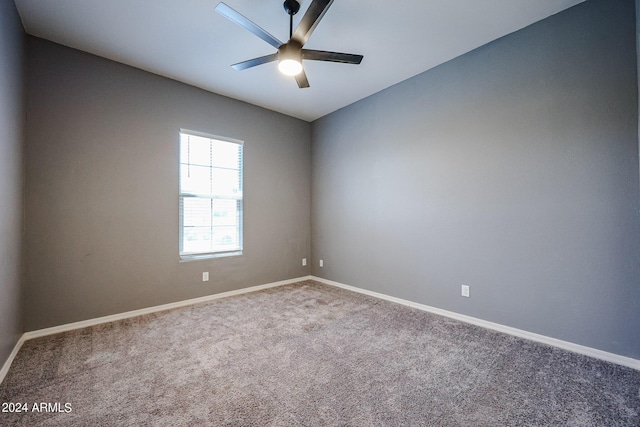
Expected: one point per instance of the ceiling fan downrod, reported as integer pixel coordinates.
(291, 7)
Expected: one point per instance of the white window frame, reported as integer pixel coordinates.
(237, 250)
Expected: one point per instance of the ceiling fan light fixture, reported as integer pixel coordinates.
(289, 67)
(290, 59)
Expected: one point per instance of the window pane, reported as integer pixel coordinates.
(196, 239)
(225, 238)
(195, 150)
(226, 155)
(196, 212)
(195, 179)
(225, 212)
(226, 183)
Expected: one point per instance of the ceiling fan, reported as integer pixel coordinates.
(291, 53)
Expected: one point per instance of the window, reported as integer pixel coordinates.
(210, 196)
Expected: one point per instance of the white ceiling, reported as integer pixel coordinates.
(188, 41)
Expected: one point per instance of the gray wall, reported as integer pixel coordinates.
(102, 189)
(512, 169)
(11, 124)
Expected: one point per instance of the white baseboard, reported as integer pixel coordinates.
(576, 348)
(154, 309)
(566, 345)
(9, 361)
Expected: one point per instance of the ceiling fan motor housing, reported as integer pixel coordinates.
(291, 7)
(291, 50)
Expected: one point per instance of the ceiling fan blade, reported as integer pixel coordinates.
(245, 23)
(301, 79)
(255, 61)
(310, 20)
(321, 55)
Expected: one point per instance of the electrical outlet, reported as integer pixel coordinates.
(321, 263)
(205, 276)
(304, 262)
(465, 291)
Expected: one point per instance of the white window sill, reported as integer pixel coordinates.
(197, 257)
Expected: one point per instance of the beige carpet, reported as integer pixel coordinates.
(310, 355)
